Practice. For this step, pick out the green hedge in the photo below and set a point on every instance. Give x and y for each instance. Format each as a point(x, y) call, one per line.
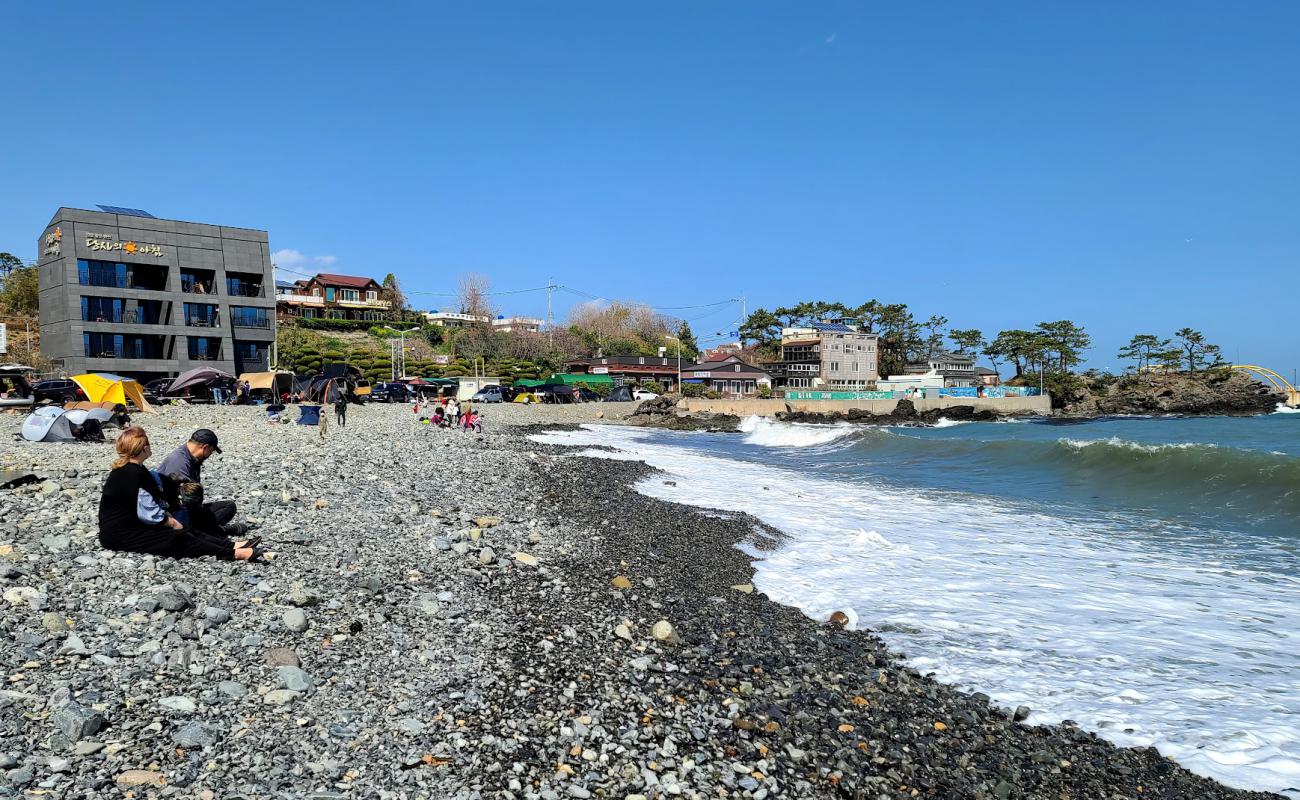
point(316, 324)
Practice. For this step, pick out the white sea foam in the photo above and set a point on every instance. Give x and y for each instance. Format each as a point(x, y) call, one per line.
point(944, 422)
point(1144, 643)
point(767, 433)
point(1125, 444)
point(1283, 408)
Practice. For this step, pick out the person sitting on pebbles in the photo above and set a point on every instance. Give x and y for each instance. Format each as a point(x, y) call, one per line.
point(185, 464)
point(133, 515)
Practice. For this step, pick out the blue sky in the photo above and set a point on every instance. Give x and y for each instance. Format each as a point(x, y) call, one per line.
point(1134, 167)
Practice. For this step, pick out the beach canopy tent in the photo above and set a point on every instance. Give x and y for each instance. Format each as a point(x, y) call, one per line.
point(199, 376)
point(86, 405)
point(276, 383)
point(78, 416)
point(308, 415)
point(620, 394)
point(48, 424)
point(104, 387)
point(525, 383)
point(327, 390)
point(575, 378)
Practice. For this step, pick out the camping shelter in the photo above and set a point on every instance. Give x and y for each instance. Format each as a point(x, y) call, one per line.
point(276, 383)
point(104, 387)
point(79, 416)
point(199, 376)
point(48, 424)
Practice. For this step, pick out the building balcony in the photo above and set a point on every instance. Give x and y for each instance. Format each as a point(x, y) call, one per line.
point(374, 304)
point(300, 299)
point(250, 322)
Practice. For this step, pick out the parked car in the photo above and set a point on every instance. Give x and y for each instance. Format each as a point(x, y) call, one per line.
point(391, 393)
point(491, 394)
point(156, 389)
point(15, 391)
point(57, 390)
point(642, 394)
point(363, 389)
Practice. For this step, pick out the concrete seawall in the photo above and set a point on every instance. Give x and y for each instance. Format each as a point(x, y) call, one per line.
point(770, 408)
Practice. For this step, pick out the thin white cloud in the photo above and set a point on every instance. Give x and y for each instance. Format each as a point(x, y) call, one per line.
point(291, 264)
point(287, 258)
point(831, 39)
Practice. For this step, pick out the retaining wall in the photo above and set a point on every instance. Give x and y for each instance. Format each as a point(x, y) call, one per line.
point(770, 408)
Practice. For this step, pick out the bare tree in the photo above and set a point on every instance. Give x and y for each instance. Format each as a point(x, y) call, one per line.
point(474, 295)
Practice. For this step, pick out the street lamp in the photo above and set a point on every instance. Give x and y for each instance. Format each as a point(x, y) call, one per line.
point(402, 345)
point(679, 360)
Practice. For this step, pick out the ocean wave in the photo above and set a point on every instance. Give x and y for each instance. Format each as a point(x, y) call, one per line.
point(944, 422)
point(1283, 408)
point(766, 433)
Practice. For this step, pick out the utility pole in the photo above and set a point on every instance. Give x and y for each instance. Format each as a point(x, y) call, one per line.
point(679, 360)
point(550, 320)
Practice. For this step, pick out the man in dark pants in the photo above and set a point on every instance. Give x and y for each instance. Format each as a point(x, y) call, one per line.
point(186, 463)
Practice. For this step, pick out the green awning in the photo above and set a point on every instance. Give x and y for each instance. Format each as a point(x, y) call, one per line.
point(527, 383)
point(573, 378)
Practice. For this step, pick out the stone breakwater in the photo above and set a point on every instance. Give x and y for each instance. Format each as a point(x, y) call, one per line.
point(453, 615)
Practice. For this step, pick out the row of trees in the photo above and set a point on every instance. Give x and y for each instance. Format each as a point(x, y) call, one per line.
point(1187, 346)
point(1052, 346)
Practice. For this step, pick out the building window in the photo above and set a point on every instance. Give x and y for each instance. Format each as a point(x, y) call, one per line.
point(204, 348)
point(101, 273)
point(249, 317)
point(835, 366)
point(349, 295)
point(116, 345)
point(101, 309)
point(202, 315)
point(372, 295)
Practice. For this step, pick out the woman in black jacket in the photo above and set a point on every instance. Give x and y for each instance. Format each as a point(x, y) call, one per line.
point(133, 516)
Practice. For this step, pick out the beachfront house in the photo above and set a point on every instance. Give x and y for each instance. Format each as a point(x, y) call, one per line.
point(329, 296)
point(834, 354)
point(940, 371)
point(727, 375)
point(631, 369)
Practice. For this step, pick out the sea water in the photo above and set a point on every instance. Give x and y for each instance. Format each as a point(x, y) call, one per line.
point(1138, 576)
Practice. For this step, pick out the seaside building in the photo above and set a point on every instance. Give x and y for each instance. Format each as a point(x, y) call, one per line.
point(330, 296)
point(727, 375)
point(516, 324)
point(940, 371)
point(125, 292)
point(833, 354)
point(988, 377)
point(630, 369)
point(453, 319)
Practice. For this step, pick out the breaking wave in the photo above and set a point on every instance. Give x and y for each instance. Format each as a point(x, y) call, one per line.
point(766, 433)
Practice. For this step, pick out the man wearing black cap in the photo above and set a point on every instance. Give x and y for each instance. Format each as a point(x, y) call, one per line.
point(185, 464)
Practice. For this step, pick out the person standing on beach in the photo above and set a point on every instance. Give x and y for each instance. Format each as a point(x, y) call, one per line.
point(341, 411)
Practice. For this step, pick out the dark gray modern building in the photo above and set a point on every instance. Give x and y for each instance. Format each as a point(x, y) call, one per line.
point(125, 292)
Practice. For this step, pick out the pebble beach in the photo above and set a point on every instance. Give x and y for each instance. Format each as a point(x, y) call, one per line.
point(454, 615)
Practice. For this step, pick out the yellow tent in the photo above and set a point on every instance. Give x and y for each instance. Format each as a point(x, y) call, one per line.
point(107, 388)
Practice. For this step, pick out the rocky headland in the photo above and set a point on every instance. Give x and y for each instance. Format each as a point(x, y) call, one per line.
point(450, 615)
point(1213, 392)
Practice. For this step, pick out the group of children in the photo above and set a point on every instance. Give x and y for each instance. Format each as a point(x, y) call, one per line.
point(448, 413)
